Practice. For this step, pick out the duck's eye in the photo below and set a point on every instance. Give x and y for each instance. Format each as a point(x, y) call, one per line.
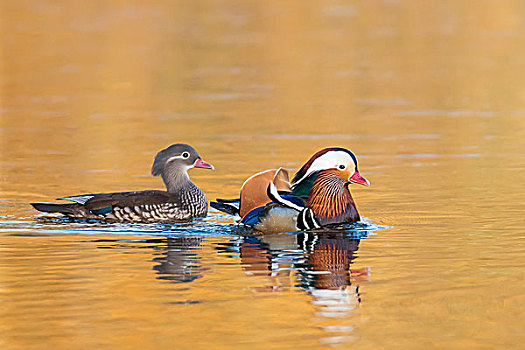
point(342, 167)
point(185, 155)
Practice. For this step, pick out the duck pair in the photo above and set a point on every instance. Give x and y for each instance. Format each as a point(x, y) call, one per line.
point(318, 195)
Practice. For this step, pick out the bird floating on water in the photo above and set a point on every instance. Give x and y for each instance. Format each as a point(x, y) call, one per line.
point(182, 201)
point(317, 197)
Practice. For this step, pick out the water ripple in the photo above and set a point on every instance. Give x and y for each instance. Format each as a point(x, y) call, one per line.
point(211, 226)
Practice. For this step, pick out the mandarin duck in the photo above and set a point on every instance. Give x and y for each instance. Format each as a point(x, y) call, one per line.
point(318, 195)
point(182, 201)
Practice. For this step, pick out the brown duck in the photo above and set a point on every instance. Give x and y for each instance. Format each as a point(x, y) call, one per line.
point(181, 201)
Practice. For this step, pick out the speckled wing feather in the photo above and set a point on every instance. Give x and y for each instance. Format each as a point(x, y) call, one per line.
point(131, 199)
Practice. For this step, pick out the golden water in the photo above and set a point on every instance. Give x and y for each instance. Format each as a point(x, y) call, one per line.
point(429, 95)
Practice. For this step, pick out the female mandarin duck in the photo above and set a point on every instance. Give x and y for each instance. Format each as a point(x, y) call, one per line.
point(317, 197)
point(182, 201)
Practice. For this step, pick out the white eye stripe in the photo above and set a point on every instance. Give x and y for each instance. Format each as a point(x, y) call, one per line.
point(329, 160)
point(176, 157)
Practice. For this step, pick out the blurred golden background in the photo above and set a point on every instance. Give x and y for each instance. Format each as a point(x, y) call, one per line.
point(429, 95)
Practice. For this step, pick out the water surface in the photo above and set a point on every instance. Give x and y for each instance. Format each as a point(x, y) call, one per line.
point(430, 96)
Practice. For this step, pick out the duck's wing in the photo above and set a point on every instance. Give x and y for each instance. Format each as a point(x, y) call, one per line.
point(130, 199)
point(87, 205)
point(285, 199)
point(254, 190)
point(278, 215)
point(81, 198)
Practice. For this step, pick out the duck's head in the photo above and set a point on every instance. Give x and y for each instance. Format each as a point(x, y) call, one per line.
point(177, 159)
point(343, 161)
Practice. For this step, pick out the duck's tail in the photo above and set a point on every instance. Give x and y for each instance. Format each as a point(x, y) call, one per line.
point(228, 206)
point(72, 209)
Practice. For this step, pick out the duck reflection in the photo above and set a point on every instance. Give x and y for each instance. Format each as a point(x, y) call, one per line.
point(330, 256)
point(320, 261)
point(178, 260)
point(273, 256)
point(328, 276)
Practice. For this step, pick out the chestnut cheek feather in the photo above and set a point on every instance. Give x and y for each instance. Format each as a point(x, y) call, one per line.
point(344, 174)
point(329, 196)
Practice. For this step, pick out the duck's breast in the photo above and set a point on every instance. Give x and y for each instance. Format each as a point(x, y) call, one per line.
point(277, 219)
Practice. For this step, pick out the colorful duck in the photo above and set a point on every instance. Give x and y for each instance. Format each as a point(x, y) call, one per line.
point(182, 201)
point(318, 195)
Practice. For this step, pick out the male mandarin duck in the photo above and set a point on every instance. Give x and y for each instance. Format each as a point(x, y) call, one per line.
point(317, 197)
point(182, 201)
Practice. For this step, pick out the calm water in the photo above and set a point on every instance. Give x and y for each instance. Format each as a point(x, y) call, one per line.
point(429, 95)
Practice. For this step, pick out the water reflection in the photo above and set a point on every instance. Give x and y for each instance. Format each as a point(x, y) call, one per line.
point(330, 255)
point(317, 262)
point(320, 263)
point(178, 260)
point(328, 276)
